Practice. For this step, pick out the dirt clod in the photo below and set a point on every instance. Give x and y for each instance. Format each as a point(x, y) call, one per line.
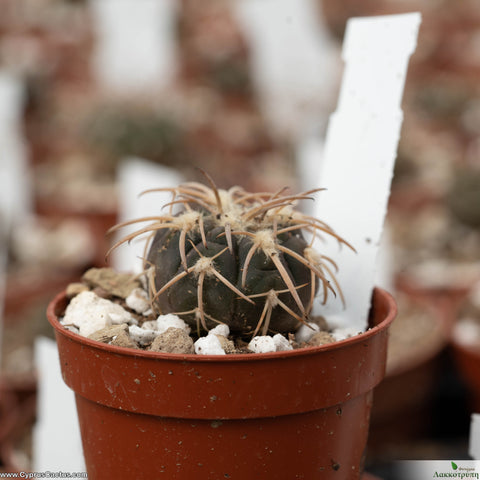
point(227, 345)
point(117, 284)
point(107, 334)
point(320, 338)
point(123, 340)
point(173, 340)
point(74, 289)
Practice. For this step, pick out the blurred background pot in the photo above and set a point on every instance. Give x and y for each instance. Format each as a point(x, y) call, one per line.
point(303, 413)
point(467, 358)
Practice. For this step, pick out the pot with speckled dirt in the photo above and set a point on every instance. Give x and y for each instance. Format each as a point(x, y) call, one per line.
point(295, 414)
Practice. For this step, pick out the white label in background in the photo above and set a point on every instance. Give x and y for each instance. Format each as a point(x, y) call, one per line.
point(360, 152)
point(135, 43)
point(15, 184)
point(295, 65)
point(474, 445)
point(134, 177)
point(57, 445)
point(3, 275)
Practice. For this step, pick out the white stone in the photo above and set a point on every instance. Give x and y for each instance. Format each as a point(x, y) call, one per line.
point(221, 329)
point(117, 318)
point(150, 325)
point(306, 332)
point(138, 300)
point(89, 313)
point(263, 344)
point(343, 333)
point(164, 322)
point(142, 336)
point(209, 345)
point(281, 343)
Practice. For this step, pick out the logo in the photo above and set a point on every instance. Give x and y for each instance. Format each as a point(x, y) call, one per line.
point(437, 469)
point(458, 471)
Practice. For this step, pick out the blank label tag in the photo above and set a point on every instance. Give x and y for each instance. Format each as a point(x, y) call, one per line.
point(135, 43)
point(360, 152)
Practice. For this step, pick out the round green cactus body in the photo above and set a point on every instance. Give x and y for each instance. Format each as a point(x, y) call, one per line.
point(221, 302)
point(236, 258)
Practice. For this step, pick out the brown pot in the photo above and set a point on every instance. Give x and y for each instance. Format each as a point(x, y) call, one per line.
point(467, 359)
point(445, 301)
point(403, 405)
point(98, 222)
point(298, 414)
point(403, 401)
point(369, 476)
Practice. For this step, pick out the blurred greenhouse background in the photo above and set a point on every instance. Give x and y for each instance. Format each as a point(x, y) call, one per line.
point(242, 89)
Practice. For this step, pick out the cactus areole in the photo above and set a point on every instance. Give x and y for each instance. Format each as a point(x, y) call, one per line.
point(237, 258)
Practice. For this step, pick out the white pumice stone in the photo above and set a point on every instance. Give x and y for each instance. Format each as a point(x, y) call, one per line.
point(221, 329)
point(72, 329)
point(343, 333)
point(209, 345)
point(89, 313)
point(306, 332)
point(150, 325)
point(164, 322)
point(138, 300)
point(281, 343)
point(142, 336)
point(264, 344)
point(118, 318)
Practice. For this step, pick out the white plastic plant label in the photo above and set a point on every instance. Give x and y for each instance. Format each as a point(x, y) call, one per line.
point(360, 152)
point(135, 46)
point(135, 176)
point(474, 444)
point(15, 187)
point(294, 61)
point(3, 275)
point(57, 444)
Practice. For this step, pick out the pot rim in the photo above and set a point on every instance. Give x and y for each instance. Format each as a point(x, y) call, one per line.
point(52, 317)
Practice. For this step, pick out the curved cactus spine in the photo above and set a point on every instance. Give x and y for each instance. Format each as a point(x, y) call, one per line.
point(236, 257)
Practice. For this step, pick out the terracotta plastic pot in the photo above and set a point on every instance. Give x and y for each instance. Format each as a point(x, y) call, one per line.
point(403, 402)
point(467, 359)
point(445, 301)
point(403, 405)
point(283, 415)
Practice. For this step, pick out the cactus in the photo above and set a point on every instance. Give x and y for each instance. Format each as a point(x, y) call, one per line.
point(237, 258)
point(116, 131)
point(463, 198)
